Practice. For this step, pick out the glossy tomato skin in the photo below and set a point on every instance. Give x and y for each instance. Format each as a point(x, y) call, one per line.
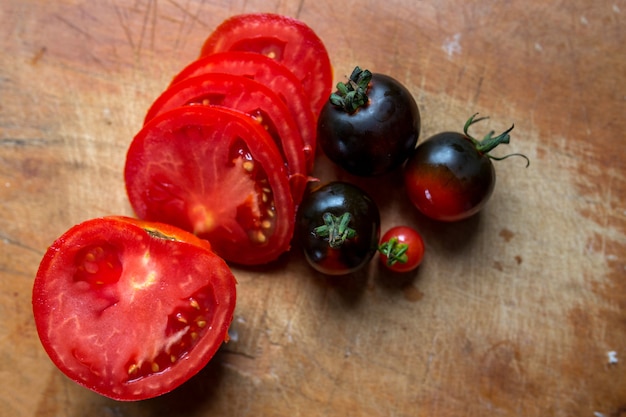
point(447, 179)
point(270, 73)
point(286, 40)
point(413, 251)
point(338, 198)
point(214, 172)
point(379, 136)
point(131, 309)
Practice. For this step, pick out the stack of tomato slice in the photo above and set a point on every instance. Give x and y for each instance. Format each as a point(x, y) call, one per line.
point(226, 150)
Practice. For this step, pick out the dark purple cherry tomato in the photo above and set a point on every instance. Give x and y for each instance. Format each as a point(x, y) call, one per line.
point(370, 125)
point(338, 226)
point(450, 176)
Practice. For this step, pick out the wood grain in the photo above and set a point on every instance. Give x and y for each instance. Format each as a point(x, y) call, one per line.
point(514, 312)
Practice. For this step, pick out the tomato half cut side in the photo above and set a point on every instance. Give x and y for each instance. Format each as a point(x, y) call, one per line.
point(248, 96)
point(129, 309)
point(284, 39)
point(215, 172)
point(269, 73)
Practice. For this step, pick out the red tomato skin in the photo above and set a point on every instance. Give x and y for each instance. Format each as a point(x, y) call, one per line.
point(414, 253)
point(248, 96)
point(73, 316)
point(287, 40)
point(270, 73)
point(447, 179)
point(179, 170)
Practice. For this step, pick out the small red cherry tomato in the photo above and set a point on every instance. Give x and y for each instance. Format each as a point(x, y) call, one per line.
point(402, 249)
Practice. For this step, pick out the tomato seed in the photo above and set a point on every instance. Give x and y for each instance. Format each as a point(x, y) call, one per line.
point(248, 166)
point(133, 369)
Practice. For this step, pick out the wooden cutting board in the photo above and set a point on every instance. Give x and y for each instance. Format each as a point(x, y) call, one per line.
point(519, 311)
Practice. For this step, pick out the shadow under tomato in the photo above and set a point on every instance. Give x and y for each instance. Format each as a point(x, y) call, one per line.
point(394, 281)
point(449, 238)
point(195, 394)
point(349, 287)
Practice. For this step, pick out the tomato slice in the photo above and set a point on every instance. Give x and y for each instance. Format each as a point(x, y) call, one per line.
point(215, 172)
point(251, 97)
point(286, 40)
point(129, 309)
point(269, 73)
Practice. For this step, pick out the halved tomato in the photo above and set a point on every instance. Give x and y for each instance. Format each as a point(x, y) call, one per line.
point(215, 172)
point(129, 309)
point(284, 39)
point(269, 73)
point(249, 96)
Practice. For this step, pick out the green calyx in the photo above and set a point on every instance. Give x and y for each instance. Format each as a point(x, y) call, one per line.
point(489, 142)
point(353, 94)
point(335, 229)
point(394, 251)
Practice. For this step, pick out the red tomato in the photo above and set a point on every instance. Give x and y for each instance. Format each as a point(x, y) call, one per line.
point(131, 310)
point(214, 172)
point(286, 40)
point(402, 249)
point(269, 73)
point(251, 97)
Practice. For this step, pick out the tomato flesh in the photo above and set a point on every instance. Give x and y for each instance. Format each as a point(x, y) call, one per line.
point(128, 313)
point(248, 96)
point(284, 39)
point(270, 73)
point(214, 172)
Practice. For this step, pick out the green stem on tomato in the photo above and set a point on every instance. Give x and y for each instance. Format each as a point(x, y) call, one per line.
point(394, 251)
point(353, 94)
point(489, 142)
point(335, 229)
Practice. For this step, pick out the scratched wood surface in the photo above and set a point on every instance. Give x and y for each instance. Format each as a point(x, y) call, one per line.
point(520, 311)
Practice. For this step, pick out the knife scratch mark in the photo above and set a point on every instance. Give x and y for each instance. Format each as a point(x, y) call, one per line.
point(299, 9)
point(194, 18)
point(75, 27)
point(125, 28)
point(10, 241)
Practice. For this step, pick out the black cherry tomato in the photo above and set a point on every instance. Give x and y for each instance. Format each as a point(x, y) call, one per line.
point(401, 249)
point(450, 176)
point(370, 125)
point(338, 226)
